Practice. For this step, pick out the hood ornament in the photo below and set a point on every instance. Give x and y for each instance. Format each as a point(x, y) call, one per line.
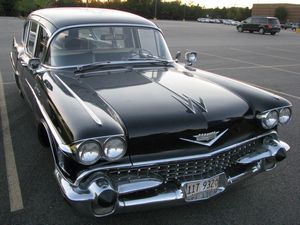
point(206, 139)
point(190, 103)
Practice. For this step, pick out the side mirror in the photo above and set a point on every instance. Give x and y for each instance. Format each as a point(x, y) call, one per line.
point(177, 56)
point(34, 64)
point(190, 57)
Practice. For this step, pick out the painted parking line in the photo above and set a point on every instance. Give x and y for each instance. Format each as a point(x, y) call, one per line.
point(263, 54)
point(282, 50)
point(5, 83)
point(15, 196)
point(251, 67)
point(250, 63)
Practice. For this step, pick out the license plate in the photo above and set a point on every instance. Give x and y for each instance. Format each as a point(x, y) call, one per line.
point(203, 189)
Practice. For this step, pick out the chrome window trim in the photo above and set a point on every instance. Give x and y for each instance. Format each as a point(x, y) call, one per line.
point(92, 25)
point(31, 54)
point(87, 109)
point(61, 144)
point(172, 160)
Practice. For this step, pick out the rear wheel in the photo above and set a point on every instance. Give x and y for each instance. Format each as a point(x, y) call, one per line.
point(240, 29)
point(261, 31)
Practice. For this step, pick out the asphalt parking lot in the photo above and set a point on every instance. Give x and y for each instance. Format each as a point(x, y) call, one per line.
point(29, 193)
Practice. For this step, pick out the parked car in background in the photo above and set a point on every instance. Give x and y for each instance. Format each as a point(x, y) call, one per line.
point(260, 24)
point(287, 25)
point(128, 126)
point(295, 26)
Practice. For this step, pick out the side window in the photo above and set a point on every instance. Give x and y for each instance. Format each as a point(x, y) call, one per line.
point(41, 43)
point(25, 32)
point(248, 20)
point(31, 37)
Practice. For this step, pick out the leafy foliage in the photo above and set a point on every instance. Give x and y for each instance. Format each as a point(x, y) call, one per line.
point(281, 13)
point(173, 10)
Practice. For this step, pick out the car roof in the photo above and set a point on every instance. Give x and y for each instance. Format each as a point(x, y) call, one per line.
point(65, 17)
point(267, 17)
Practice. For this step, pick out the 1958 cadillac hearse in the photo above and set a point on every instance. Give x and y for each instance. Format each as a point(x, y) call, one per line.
point(128, 126)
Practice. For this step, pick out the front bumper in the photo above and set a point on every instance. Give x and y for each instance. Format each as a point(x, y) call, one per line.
point(100, 194)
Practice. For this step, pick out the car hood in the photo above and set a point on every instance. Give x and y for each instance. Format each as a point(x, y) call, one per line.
point(159, 108)
point(156, 101)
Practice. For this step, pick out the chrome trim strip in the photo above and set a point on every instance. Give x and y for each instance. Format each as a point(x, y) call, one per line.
point(258, 116)
point(99, 137)
point(206, 143)
point(61, 144)
point(13, 65)
point(155, 162)
point(111, 63)
point(88, 110)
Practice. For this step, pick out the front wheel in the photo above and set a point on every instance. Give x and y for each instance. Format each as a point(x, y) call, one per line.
point(273, 33)
point(240, 29)
point(261, 31)
point(250, 31)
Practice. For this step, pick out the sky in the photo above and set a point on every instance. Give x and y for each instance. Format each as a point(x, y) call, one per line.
point(237, 3)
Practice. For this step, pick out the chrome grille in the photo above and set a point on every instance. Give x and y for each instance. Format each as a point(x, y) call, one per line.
point(192, 169)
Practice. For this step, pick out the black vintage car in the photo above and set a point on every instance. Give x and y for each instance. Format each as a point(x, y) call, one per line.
point(128, 126)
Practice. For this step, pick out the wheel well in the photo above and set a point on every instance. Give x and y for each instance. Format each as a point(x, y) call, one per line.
point(43, 135)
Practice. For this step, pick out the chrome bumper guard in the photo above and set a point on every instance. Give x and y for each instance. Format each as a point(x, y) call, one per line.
point(100, 196)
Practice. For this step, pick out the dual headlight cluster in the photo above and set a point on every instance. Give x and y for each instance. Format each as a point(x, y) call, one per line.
point(89, 152)
point(272, 118)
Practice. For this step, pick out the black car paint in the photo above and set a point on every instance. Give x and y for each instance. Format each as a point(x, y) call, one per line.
point(147, 112)
point(140, 104)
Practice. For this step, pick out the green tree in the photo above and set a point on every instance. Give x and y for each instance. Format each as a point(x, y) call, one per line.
point(281, 13)
point(8, 7)
point(1, 9)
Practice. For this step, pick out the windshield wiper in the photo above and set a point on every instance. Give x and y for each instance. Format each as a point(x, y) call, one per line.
point(92, 66)
point(152, 60)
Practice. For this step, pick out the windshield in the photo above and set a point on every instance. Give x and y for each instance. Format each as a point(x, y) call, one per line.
point(87, 45)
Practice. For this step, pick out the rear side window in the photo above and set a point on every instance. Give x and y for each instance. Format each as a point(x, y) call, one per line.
point(263, 21)
point(273, 22)
point(32, 37)
point(256, 20)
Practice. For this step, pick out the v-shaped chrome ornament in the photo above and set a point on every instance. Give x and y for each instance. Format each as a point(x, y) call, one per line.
point(206, 139)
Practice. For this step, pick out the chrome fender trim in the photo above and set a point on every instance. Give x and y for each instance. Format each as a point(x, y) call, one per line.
point(61, 144)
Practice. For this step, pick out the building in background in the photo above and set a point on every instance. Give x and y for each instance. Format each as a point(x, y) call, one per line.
point(269, 10)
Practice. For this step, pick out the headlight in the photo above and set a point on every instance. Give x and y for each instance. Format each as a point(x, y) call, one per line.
point(270, 119)
point(89, 152)
point(284, 115)
point(114, 148)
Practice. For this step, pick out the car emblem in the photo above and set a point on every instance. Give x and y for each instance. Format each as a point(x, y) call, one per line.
point(206, 139)
point(190, 103)
point(206, 136)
